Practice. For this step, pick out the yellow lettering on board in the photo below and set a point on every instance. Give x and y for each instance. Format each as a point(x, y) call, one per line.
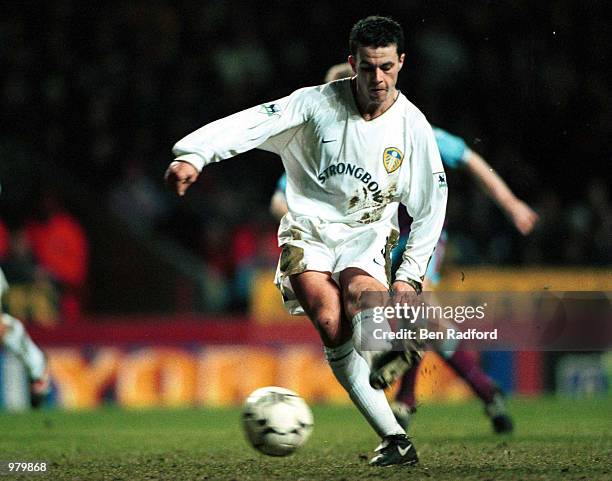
point(157, 377)
point(80, 384)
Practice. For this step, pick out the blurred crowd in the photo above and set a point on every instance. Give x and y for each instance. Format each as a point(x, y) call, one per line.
point(45, 259)
point(93, 99)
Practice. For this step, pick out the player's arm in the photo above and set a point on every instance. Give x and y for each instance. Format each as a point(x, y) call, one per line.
point(521, 215)
point(425, 201)
point(233, 135)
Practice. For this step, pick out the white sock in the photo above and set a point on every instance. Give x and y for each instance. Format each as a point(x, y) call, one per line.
point(17, 340)
point(363, 334)
point(353, 373)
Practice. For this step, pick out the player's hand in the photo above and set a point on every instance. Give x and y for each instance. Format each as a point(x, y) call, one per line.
point(523, 217)
point(179, 176)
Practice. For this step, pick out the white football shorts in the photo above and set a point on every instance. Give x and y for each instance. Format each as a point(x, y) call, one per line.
point(312, 244)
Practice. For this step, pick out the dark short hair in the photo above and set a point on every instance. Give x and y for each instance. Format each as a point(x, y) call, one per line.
point(376, 31)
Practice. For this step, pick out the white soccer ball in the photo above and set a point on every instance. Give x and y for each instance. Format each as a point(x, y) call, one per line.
point(276, 420)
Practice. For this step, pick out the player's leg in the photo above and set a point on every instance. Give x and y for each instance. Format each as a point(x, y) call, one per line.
point(16, 340)
point(310, 252)
point(467, 367)
point(396, 448)
point(464, 365)
point(320, 297)
point(404, 404)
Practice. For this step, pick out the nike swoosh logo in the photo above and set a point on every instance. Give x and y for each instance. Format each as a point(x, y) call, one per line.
point(376, 262)
point(328, 141)
point(403, 451)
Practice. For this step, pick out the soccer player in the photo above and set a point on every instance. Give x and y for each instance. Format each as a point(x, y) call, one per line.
point(455, 154)
point(353, 150)
point(16, 340)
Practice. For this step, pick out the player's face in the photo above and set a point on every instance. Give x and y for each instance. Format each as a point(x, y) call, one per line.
point(377, 69)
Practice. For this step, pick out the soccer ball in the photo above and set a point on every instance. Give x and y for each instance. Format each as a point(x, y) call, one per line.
point(276, 420)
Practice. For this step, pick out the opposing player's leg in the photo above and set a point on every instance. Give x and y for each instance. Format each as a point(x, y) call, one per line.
point(16, 340)
point(467, 367)
point(404, 404)
point(396, 447)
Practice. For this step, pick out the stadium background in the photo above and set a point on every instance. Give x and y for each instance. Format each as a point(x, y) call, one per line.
point(147, 300)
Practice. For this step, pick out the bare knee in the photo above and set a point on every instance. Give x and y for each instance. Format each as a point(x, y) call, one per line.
point(359, 296)
point(353, 292)
point(319, 296)
point(332, 330)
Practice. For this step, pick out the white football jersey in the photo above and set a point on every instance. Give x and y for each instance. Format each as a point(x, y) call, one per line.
point(340, 167)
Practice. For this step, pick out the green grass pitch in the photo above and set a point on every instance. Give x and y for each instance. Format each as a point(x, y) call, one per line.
point(554, 439)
